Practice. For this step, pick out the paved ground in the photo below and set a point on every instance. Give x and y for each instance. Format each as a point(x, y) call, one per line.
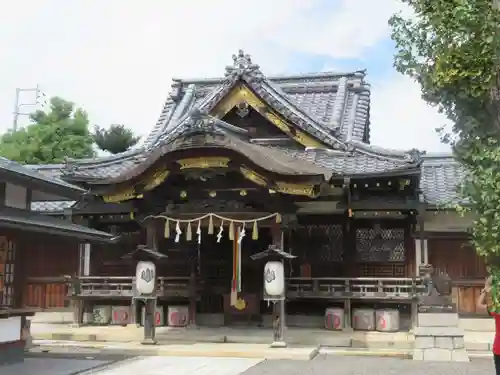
point(336, 365)
point(51, 366)
point(182, 366)
point(323, 364)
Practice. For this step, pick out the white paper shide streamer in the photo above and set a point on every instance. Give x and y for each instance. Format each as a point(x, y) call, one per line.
point(221, 230)
point(198, 232)
point(178, 232)
point(242, 234)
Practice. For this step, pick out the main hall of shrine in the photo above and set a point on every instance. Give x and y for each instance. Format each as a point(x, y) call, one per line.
point(237, 163)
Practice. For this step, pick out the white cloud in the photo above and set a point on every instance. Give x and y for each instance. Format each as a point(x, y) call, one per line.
point(400, 119)
point(345, 32)
point(117, 57)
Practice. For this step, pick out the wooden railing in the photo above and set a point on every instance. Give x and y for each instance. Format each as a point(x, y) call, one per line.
point(45, 292)
point(122, 287)
point(297, 287)
point(357, 288)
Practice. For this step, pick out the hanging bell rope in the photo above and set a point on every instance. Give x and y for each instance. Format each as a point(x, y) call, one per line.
point(198, 232)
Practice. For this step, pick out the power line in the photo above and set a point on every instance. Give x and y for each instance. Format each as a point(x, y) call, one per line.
point(40, 98)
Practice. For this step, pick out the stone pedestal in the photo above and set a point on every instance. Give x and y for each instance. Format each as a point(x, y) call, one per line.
point(438, 338)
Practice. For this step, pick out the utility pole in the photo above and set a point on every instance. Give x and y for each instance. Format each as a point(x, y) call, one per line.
point(40, 99)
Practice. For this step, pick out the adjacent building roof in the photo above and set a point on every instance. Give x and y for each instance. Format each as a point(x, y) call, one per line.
point(54, 207)
point(333, 107)
point(36, 222)
point(22, 175)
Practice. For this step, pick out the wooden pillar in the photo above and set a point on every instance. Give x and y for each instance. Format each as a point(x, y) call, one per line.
point(349, 261)
point(82, 310)
point(150, 303)
point(20, 275)
point(279, 309)
point(193, 295)
point(421, 257)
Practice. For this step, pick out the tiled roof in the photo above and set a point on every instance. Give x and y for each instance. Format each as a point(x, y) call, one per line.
point(440, 174)
point(335, 104)
point(51, 206)
point(47, 182)
point(334, 107)
point(205, 134)
point(440, 178)
point(36, 222)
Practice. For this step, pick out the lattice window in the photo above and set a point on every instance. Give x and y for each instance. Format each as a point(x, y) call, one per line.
point(322, 243)
point(380, 244)
point(383, 270)
point(7, 261)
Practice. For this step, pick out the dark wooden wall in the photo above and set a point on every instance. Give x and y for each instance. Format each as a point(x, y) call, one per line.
point(41, 261)
point(467, 270)
point(45, 260)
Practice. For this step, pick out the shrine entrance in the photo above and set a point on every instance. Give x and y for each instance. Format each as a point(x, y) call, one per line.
point(218, 250)
point(217, 268)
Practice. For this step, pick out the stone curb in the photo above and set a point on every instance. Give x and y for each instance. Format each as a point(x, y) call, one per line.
point(403, 354)
point(370, 345)
point(487, 354)
point(260, 353)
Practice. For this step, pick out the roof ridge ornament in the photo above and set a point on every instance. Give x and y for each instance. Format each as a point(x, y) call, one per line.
point(243, 66)
point(416, 155)
point(69, 166)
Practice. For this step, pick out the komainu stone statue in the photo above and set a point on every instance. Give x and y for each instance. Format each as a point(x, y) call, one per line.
point(437, 293)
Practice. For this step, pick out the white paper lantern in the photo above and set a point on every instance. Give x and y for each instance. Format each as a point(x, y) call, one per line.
point(145, 275)
point(274, 279)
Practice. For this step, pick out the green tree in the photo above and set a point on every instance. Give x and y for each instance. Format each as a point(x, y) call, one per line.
point(451, 49)
point(61, 132)
point(117, 138)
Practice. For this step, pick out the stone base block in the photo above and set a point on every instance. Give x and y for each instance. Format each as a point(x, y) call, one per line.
point(278, 344)
point(441, 355)
point(437, 320)
point(460, 355)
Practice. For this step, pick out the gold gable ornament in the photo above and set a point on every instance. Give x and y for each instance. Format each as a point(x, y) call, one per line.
point(156, 179)
point(242, 93)
point(202, 163)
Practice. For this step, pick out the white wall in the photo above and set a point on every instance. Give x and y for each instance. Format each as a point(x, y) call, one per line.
point(16, 196)
point(10, 329)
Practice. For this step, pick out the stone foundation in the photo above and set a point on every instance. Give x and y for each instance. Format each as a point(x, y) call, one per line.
point(439, 338)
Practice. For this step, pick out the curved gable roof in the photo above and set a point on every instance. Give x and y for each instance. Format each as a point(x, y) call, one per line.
point(335, 106)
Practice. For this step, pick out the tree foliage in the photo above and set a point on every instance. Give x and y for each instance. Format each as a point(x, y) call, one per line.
point(61, 132)
point(117, 138)
point(451, 49)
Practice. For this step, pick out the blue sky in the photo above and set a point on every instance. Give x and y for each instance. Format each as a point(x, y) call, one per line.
point(116, 58)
